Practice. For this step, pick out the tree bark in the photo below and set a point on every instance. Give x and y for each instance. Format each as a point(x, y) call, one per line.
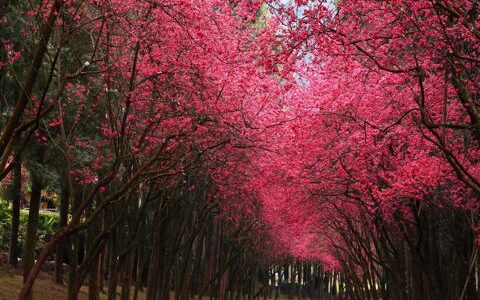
point(16, 193)
point(32, 227)
point(61, 246)
point(93, 286)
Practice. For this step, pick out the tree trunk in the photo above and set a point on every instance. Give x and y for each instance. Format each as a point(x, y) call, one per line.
point(93, 286)
point(62, 246)
point(32, 227)
point(74, 249)
point(16, 193)
point(155, 261)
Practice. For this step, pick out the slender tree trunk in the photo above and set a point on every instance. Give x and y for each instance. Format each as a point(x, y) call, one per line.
point(62, 246)
point(32, 227)
point(104, 257)
point(112, 270)
point(74, 250)
point(16, 193)
point(197, 271)
point(151, 293)
point(126, 276)
point(154, 267)
point(93, 286)
point(140, 265)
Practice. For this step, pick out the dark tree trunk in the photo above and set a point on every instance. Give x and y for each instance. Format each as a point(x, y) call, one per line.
point(16, 193)
point(155, 261)
point(112, 263)
point(73, 248)
point(62, 245)
point(93, 271)
point(32, 227)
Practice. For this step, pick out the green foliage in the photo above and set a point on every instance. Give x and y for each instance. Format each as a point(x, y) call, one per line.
point(48, 223)
point(5, 223)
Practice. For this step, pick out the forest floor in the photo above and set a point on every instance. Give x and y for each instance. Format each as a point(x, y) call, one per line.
point(11, 282)
point(44, 289)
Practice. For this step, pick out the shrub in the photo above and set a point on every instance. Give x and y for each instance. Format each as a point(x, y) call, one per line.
point(48, 223)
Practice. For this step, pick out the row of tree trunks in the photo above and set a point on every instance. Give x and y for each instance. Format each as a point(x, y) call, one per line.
point(432, 258)
point(161, 245)
point(172, 242)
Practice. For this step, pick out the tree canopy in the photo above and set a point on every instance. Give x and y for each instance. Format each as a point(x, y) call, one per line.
point(216, 140)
